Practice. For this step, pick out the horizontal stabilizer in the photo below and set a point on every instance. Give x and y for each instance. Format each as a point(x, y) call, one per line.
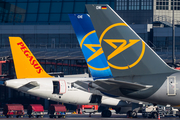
point(82, 85)
point(121, 84)
point(31, 84)
point(85, 84)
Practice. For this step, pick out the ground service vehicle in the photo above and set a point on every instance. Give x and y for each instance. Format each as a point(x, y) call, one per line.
point(170, 111)
point(35, 110)
point(57, 111)
point(150, 111)
point(13, 109)
point(153, 111)
point(87, 109)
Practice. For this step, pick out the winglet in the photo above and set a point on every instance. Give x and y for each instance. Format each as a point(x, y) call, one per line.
point(26, 65)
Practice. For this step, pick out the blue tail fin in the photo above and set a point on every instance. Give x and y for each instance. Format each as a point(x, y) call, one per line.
point(90, 45)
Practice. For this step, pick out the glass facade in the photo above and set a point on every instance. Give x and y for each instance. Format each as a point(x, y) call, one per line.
point(121, 5)
point(43, 11)
point(135, 11)
point(146, 4)
point(176, 4)
point(162, 5)
point(134, 4)
point(167, 5)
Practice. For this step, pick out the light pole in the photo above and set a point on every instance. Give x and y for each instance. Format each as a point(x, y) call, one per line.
point(173, 38)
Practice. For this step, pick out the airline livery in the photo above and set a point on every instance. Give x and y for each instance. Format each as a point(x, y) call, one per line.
point(90, 46)
point(138, 72)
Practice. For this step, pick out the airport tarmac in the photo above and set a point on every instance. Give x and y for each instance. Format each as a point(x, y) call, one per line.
point(86, 117)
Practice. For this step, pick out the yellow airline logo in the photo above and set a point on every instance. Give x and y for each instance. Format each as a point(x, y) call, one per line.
point(32, 60)
point(123, 46)
point(96, 52)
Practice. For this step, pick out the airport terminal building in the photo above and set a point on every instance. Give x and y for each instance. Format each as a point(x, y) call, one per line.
point(45, 27)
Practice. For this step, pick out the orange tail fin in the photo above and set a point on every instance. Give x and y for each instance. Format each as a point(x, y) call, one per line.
point(26, 65)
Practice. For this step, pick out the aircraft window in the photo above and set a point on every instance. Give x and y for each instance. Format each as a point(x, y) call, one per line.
point(56, 87)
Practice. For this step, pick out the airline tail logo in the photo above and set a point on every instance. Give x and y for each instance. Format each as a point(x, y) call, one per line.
point(26, 65)
point(121, 45)
point(96, 52)
point(93, 52)
point(121, 48)
point(32, 60)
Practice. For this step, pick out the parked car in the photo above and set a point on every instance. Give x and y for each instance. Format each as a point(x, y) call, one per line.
point(57, 111)
point(35, 110)
point(13, 109)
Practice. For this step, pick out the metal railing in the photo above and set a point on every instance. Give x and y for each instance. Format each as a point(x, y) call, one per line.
point(165, 49)
point(165, 19)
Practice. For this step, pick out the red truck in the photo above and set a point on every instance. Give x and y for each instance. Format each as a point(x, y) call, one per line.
point(87, 109)
point(13, 109)
point(35, 110)
point(57, 111)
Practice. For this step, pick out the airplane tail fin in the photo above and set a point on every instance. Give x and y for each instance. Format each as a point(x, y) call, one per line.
point(26, 65)
point(90, 45)
point(126, 53)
